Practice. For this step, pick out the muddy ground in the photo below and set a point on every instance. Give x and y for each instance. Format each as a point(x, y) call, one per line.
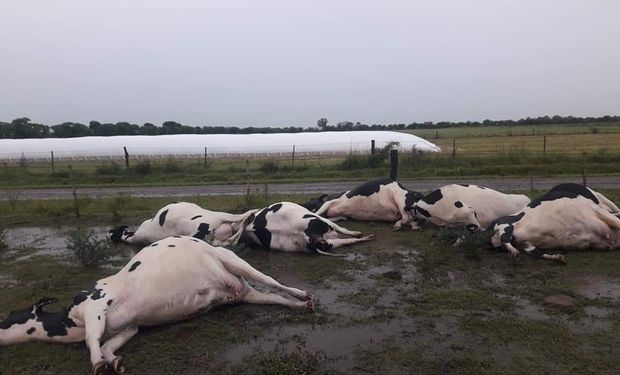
point(405, 303)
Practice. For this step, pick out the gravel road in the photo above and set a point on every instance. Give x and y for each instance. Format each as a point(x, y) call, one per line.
point(601, 182)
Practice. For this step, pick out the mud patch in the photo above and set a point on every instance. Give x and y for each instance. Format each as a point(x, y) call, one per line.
point(44, 240)
point(596, 286)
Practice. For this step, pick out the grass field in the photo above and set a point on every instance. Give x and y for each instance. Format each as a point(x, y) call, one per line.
point(405, 303)
point(483, 151)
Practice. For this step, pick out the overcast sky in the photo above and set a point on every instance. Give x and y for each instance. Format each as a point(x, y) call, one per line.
point(280, 63)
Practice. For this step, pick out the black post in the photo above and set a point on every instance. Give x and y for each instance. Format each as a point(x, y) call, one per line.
point(372, 147)
point(453, 148)
point(544, 145)
point(52, 152)
point(585, 180)
point(247, 175)
point(205, 157)
point(75, 201)
point(436, 134)
point(394, 165)
point(293, 157)
point(126, 157)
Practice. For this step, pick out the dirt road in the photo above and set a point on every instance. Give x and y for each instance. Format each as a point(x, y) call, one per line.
point(602, 182)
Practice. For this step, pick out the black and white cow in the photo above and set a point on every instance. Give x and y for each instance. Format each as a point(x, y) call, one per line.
point(187, 219)
point(158, 285)
point(569, 217)
point(378, 200)
point(287, 226)
point(467, 205)
point(596, 197)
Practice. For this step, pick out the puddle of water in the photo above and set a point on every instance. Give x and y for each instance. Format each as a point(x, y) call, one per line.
point(597, 286)
point(45, 240)
point(526, 309)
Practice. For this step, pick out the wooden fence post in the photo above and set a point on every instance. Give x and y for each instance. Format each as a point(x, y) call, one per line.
point(584, 176)
point(453, 148)
point(52, 152)
point(126, 157)
point(372, 147)
point(293, 157)
point(394, 165)
point(205, 157)
point(544, 145)
point(75, 201)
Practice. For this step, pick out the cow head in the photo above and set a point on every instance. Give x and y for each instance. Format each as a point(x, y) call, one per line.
point(315, 203)
point(116, 235)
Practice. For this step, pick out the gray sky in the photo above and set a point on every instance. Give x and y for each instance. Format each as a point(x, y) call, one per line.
point(253, 63)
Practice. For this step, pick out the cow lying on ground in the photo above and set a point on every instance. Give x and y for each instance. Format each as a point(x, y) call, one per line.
point(586, 192)
point(378, 200)
point(158, 285)
point(187, 219)
point(472, 206)
point(560, 219)
point(287, 226)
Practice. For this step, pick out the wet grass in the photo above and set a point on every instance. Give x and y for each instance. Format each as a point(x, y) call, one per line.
point(406, 303)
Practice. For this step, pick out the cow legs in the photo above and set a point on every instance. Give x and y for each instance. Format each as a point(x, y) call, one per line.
point(240, 267)
point(113, 344)
point(339, 242)
point(94, 321)
point(534, 252)
point(254, 296)
point(344, 231)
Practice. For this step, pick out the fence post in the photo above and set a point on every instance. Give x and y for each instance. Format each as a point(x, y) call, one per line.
point(75, 201)
point(436, 134)
point(205, 157)
point(293, 157)
point(544, 145)
point(372, 147)
point(247, 175)
point(126, 157)
point(52, 152)
point(394, 165)
point(453, 148)
point(584, 176)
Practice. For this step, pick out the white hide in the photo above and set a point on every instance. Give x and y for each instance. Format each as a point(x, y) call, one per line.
point(565, 223)
point(184, 218)
point(168, 281)
point(287, 227)
point(481, 205)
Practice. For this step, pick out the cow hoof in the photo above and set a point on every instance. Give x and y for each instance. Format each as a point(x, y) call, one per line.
point(356, 234)
point(370, 237)
point(562, 259)
point(100, 368)
point(117, 365)
point(310, 305)
point(308, 297)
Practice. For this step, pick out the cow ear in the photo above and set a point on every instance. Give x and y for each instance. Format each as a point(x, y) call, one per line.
point(44, 302)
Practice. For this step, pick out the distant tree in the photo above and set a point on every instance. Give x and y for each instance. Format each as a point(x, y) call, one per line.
point(322, 123)
point(23, 128)
point(71, 129)
point(149, 129)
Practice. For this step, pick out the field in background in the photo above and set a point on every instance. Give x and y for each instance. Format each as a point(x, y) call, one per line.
point(479, 152)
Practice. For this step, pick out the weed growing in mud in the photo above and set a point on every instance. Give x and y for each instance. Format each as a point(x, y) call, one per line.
point(471, 242)
point(3, 244)
point(87, 247)
point(300, 361)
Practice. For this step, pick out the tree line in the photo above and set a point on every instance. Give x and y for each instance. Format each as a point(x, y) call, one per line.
point(21, 128)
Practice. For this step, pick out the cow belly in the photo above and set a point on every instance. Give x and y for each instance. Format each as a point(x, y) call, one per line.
point(365, 210)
